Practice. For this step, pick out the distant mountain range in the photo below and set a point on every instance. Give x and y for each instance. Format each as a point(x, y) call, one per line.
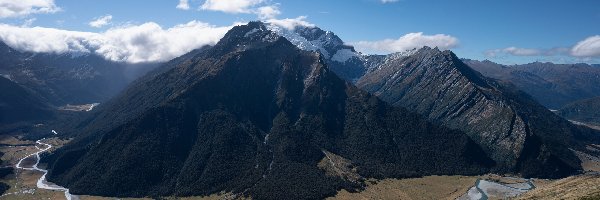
point(262, 113)
point(553, 85)
point(68, 78)
point(45, 81)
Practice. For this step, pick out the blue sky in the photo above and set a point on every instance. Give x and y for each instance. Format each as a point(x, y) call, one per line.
point(540, 30)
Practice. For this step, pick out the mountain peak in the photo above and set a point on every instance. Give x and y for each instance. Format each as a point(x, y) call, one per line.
point(312, 38)
point(242, 37)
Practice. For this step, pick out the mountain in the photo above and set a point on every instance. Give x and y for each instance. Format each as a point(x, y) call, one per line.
point(18, 104)
point(68, 78)
point(553, 85)
point(339, 57)
point(586, 111)
point(256, 116)
point(519, 134)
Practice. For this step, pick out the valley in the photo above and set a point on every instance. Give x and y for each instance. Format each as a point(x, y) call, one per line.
point(251, 99)
point(27, 182)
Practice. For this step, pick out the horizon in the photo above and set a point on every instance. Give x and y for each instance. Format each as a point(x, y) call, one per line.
point(513, 32)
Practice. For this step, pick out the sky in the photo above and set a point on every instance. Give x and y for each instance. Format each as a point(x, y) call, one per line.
point(506, 31)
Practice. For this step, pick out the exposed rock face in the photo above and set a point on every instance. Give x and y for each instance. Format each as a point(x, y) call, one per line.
point(254, 115)
point(505, 122)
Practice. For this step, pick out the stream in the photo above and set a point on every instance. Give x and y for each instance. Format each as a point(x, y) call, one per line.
point(41, 182)
point(483, 189)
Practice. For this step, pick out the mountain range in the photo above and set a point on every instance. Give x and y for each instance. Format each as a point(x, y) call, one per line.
point(552, 85)
point(35, 85)
point(262, 114)
point(256, 116)
point(68, 78)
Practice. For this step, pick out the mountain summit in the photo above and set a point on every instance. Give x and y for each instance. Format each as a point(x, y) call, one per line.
point(339, 57)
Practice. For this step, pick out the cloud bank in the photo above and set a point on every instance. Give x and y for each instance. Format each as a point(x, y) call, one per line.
point(587, 48)
point(147, 42)
point(21, 8)
point(407, 42)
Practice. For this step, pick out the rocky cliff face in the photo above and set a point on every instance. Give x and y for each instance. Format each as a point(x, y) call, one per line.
point(505, 122)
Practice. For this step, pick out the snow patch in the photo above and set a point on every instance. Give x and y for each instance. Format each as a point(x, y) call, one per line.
point(299, 41)
point(249, 33)
point(402, 54)
point(344, 55)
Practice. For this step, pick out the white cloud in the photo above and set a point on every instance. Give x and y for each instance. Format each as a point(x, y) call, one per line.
point(101, 21)
point(264, 9)
point(515, 51)
point(522, 51)
point(291, 23)
point(231, 6)
point(590, 47)
point(28, 22)
point(388, 1)
point(407, 42)
point(147, 42)
point(268, 12)
point(183, 5)
point(582, 51)
point(21, 8)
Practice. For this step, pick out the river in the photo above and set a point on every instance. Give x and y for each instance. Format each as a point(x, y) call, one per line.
point(41, 182)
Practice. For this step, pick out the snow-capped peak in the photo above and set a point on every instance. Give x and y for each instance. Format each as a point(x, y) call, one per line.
point(311, 38)
point(296, 39)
